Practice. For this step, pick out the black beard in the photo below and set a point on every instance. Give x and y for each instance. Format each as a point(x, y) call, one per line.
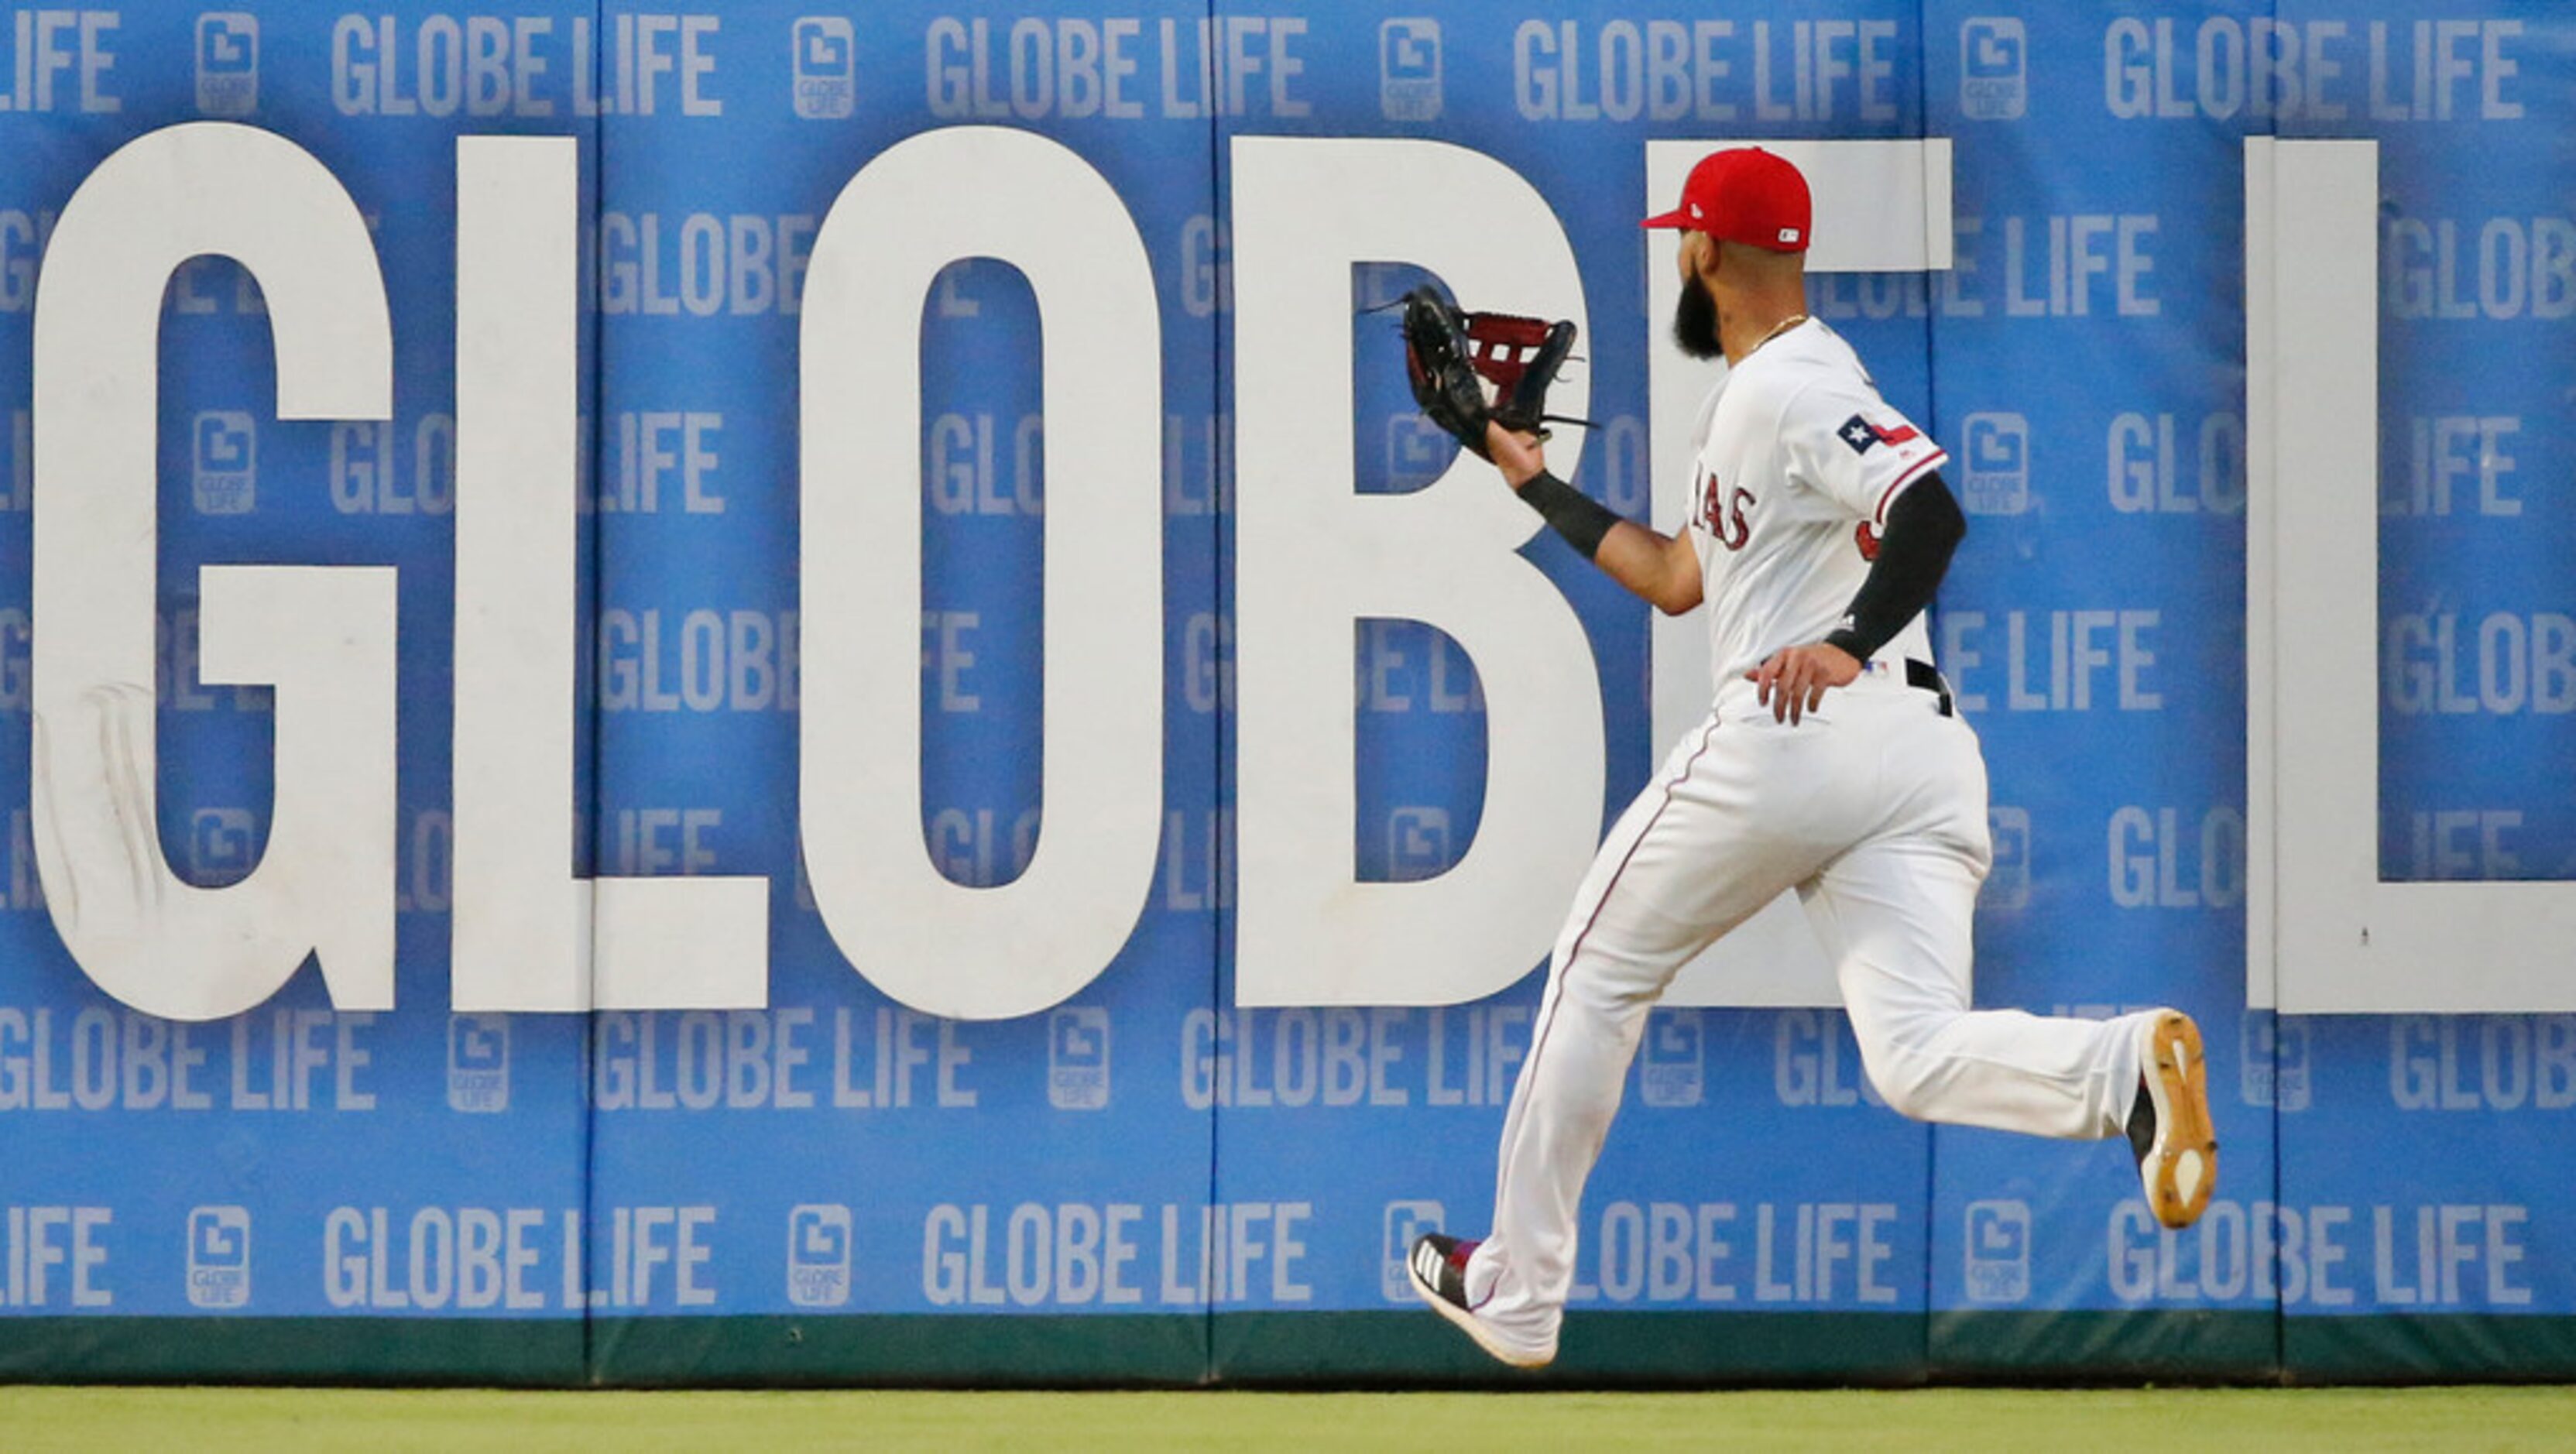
point(1695, 321)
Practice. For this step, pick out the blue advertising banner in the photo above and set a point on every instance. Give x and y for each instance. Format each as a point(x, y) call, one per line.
point(2093, 624)
point(293, 1162)
point(2463, 1256)
point(840, 1153)
point(879, 1162)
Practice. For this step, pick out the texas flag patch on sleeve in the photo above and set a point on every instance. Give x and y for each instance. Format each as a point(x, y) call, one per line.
point(1864, 436)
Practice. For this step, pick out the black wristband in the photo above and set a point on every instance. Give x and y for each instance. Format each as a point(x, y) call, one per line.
point(1582, 520)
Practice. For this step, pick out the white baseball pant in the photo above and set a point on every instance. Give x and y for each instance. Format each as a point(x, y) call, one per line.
point(1874, 809)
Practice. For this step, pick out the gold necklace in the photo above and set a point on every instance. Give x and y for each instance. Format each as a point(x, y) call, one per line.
point(1783, 326)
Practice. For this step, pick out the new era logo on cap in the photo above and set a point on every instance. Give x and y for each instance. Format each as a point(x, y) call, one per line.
point(1748, 195)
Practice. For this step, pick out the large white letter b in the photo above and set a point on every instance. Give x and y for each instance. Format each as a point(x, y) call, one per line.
point(1311, 557)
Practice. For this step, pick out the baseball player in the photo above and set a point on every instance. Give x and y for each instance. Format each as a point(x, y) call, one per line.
point(1832, 762)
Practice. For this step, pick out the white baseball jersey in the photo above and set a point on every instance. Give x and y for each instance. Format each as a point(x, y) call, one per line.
point(1798, 460)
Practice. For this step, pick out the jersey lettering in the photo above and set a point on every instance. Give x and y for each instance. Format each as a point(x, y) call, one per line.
point(1866, 537)
point(1734, 530)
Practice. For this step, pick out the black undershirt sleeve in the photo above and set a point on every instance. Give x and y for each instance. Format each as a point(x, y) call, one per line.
point(1923, 527)
point(1573, 514)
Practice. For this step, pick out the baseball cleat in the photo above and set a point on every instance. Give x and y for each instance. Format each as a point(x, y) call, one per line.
point(2169, 1125)
point(1437, 1266)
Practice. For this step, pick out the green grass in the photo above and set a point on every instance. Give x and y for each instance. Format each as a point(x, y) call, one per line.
point(211, 1420)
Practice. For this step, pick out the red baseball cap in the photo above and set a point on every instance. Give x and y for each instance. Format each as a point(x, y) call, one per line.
point(1745, 195)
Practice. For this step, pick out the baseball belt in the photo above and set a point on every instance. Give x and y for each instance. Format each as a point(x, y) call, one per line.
point(1926, 676)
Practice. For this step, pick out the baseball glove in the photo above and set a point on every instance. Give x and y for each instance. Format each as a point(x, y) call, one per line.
point(1467, 368)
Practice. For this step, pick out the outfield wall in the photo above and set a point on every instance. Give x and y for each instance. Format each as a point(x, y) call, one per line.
point(1099, 980)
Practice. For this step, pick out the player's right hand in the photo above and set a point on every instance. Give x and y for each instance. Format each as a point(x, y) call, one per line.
point(1792, 682)
point(1518, 453)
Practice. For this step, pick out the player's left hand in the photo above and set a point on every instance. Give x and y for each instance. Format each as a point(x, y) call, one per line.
point(1793, 681)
